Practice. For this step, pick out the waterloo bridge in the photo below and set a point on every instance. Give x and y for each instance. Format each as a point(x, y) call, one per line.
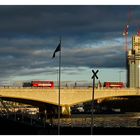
point(48, 98)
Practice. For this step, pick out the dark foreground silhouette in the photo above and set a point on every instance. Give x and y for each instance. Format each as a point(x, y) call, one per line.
point(8, 127)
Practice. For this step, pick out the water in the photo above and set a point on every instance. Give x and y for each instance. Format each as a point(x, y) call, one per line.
point(128, 120)
point(103, 125)
point(117, 120)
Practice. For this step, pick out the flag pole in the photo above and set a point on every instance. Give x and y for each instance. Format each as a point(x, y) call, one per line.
point(59, 89)
point(59, 84)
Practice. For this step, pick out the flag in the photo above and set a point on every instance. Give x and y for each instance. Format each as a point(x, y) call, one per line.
point(57, 49)
point(125, 32)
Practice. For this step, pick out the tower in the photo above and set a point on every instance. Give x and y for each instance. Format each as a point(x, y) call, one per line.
point(134, 63)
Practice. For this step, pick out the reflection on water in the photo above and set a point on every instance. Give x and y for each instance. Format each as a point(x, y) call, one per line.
point(131, 119)
point(117, 120)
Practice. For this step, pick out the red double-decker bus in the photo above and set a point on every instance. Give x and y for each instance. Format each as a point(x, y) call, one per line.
point(46, 84)
point(114, 85)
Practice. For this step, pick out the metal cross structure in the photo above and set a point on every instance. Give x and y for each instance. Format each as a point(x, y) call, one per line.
point(92, 106)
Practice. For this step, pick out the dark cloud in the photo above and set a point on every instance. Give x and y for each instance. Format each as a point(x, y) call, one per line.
point(46, 20)
point(91, 37)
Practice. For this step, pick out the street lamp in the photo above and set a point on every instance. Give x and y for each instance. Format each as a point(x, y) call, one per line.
point(120, 76)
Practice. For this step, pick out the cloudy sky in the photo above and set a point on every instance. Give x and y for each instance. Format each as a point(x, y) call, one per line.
point(91, 39)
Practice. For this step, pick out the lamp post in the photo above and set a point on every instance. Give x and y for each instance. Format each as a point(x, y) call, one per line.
point(120, 76)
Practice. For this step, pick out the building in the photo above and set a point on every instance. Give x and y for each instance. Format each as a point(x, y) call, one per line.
point(134, 63)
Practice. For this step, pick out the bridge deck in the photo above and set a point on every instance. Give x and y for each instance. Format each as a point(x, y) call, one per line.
point(68, 96)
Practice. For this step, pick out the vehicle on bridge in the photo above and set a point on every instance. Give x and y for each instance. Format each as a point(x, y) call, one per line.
point(113, 85)
point(45, 84)
point(48, 84)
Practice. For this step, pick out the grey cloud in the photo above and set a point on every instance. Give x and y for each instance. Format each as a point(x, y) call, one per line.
point(34, 20)
point(90, 38)
point(95, 57)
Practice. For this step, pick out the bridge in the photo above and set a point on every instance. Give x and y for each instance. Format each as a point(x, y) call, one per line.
point(69, 96)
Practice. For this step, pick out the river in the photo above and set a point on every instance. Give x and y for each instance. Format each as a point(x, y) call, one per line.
point(128, 120)
point(78, 124)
